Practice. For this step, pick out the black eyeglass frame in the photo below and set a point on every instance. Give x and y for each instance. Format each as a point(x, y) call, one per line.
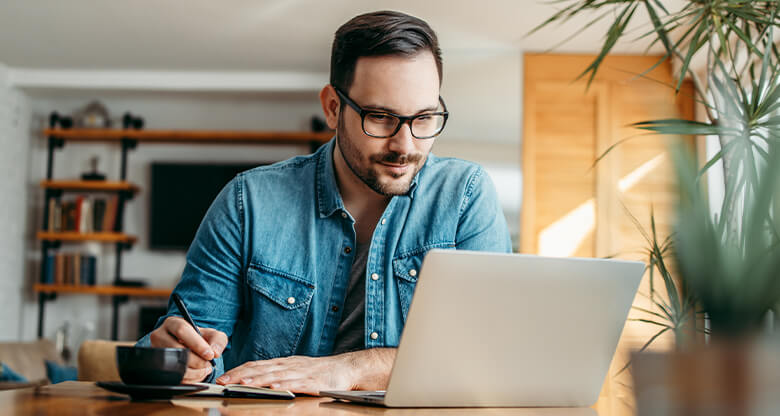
point(402, 119)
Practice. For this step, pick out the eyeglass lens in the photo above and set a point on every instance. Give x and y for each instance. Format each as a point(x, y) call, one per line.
point(385, 125)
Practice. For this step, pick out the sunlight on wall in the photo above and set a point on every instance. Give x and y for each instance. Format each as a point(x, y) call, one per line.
point(563, 237)
point(628, 181)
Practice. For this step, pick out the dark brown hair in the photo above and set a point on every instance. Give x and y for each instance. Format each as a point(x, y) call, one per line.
point(379, 34)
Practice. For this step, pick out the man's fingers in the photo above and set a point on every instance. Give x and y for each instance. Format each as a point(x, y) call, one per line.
point(196, 362)
point(217, 339)
point(234, 375)
point(196, 374)
point(266, 379)
point(166, 340)
point(267, 372)
point(160, 338)
point(298, 374)
point(275, 378)
point(185, 333)
point(247, 370)
point(304, 386)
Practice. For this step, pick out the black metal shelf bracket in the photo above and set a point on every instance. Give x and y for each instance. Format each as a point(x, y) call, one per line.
point(55, 143)
point(116, 301)
point(127, 145)
point(42, 299)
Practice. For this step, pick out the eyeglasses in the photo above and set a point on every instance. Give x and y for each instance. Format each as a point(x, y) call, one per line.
point(382, 124)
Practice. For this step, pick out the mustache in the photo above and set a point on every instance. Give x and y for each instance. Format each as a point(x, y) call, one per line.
point(397, 158)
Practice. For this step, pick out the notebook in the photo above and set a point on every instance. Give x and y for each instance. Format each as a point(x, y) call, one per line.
point(240, 390)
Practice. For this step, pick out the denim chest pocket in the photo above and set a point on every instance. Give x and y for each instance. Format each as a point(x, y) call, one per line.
point(407, 270)
point(278, 306)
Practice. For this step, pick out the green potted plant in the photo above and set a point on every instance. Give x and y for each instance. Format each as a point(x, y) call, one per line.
point(728, 255)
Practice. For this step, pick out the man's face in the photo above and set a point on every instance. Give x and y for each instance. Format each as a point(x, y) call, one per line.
point(400, 85)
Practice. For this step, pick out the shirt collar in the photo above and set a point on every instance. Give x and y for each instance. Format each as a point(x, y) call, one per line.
point(328, 195)
point(413, 185)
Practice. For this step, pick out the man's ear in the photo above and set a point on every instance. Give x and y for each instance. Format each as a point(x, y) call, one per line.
point(330, 106)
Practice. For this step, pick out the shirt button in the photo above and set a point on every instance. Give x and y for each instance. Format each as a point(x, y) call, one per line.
point(374, 335)
point(384, 220)
point(291, 300)
point(335, 308)
point(374, 276)
point(412, 272)
point(343, 215)
point(347, 250)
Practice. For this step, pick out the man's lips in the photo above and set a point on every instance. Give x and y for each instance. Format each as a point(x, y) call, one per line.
point(395, 168)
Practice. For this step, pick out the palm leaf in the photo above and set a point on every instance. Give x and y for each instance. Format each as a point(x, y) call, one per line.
point(696, 43)
point(673, 126)
point(644, 347)
point(613, 34)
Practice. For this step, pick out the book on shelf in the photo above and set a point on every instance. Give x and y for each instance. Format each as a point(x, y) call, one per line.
point(98, 212)
point(75, 269)
point(82, 214)
point(109, 219)
point(47, 277)
point(85, 221)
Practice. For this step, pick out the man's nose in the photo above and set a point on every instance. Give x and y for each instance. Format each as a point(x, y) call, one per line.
point(403, 141)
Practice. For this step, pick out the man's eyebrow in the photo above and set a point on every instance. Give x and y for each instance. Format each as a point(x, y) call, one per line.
point(390, 110)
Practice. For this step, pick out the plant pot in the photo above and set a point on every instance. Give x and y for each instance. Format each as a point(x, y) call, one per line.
point(735, 378)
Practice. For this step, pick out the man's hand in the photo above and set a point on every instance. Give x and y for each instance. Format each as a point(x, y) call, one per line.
point(359, 370)
point(175, 332)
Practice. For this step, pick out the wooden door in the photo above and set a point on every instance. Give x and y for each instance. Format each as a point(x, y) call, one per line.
point(573, 206)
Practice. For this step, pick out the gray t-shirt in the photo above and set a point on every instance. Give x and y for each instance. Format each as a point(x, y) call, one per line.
point(351, 333)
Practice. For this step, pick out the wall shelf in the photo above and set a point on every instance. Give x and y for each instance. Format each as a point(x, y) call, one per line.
point(74, 236)
point(189, 136)
point(128, 138)
point(90, 186)
point(103, 290)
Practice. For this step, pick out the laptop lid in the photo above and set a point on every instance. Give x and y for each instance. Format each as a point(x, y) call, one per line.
point(487, 329)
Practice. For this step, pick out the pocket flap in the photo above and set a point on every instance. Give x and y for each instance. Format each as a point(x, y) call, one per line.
point(408, 267)
point(284, 289)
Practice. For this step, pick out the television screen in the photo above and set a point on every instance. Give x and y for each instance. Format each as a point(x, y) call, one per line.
point(180, 195)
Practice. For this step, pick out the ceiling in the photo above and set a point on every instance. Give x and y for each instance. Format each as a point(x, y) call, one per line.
point(260, 35)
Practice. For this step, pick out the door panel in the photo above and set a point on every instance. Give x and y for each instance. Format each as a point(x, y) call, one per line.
point(563, 224)
point(573, 208)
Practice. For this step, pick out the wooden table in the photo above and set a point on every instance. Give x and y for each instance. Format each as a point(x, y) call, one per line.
point(84, 398)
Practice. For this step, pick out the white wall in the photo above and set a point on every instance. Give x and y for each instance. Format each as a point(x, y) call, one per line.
point(14, 126)
point(483, 92)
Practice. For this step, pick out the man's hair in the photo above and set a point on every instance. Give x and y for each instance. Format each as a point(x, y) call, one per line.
point(379, 34)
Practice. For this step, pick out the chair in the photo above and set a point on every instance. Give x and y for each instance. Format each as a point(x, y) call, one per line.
point(97, 360)
point(27, 359)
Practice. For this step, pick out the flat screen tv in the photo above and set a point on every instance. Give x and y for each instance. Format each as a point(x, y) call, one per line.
point(180, 195)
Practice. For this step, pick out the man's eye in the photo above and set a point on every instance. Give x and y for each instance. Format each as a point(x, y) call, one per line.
point(379, 118)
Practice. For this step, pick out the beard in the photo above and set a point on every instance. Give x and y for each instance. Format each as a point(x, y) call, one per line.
point(365, 167)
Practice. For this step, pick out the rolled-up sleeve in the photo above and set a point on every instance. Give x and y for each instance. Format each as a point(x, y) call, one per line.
point(210, 284)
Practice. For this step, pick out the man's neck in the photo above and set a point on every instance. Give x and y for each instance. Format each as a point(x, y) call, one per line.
point(363, 203)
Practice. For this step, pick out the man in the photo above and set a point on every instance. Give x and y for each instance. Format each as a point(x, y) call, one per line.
point(301, 273)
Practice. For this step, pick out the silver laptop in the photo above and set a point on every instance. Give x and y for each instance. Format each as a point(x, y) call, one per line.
point(508, 330)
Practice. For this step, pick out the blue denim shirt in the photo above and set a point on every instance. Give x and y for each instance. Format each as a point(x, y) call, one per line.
point(269, 265)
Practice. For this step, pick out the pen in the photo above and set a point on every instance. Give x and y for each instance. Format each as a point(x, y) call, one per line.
point(183, 310)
